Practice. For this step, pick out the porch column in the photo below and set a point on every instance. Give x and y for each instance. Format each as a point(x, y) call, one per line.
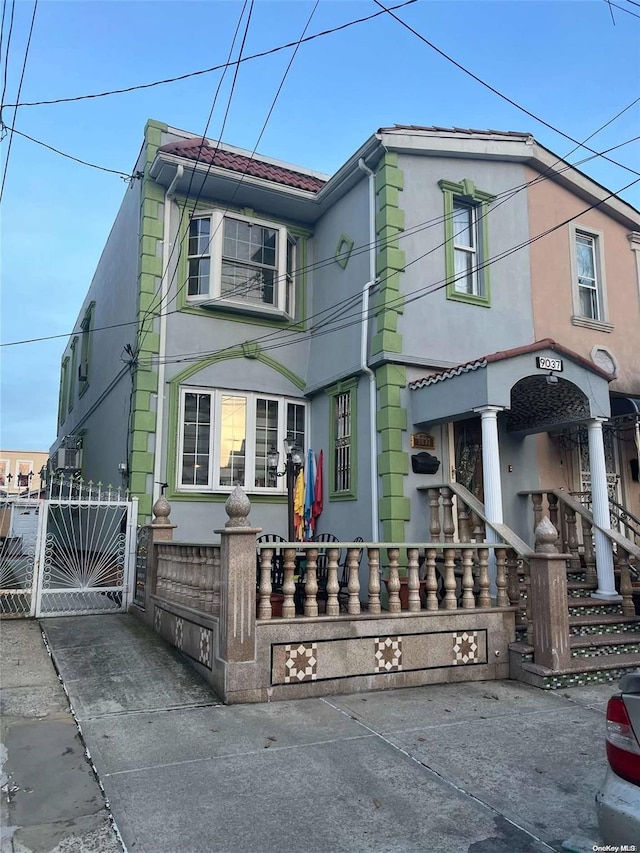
point(491, 479)
point(600, 507)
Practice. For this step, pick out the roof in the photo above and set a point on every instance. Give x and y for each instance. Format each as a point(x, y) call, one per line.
point(202, 151)
point(479, 363)
point(516, 134)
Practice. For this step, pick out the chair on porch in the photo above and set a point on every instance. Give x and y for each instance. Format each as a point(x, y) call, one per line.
point(343, 580)
point(277, 561)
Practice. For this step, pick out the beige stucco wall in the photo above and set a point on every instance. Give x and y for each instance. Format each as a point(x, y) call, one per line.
point(11, 462)
point(551, 280)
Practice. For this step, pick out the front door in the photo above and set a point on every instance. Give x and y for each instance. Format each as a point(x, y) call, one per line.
point(467, 447)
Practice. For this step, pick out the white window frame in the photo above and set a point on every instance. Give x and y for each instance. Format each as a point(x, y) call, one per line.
point(600, 322)
point(284, 283)
point(5, 470)
point(213, 475)
point(461, 284)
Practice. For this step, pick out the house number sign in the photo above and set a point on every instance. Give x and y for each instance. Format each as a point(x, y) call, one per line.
point(423, 440)
point(544, 363)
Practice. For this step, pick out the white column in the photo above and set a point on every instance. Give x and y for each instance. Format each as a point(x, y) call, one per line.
point(600, 509)
point(491, 479)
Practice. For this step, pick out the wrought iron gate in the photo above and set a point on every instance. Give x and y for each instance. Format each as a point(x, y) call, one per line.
point(75, 555)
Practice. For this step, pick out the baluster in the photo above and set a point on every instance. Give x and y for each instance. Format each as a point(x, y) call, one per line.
point(591, 575)
point(205, 579)
point(434, 514)
point(264, 590)
point(529, 608)
point(536, 500)
point(626, 589)
point(513, 580)
point(413, 580)
point(288, 583)
point(478, 528)
point(464, 516)
point(552, 501)
point(333, 605)
point(353, 585)
point(431, 583)
point(374, 580)
point(216, 576)
point(160, 570)
point(393, 581)
point(484, 599)
point(468, 600)
point(179, 579)
point(311, 584)
point(192, 577)
point(448, 527)
point(572, 539)
point(450, 600)
point(502, 599)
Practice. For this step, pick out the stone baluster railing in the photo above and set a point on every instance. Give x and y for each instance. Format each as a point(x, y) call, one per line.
point(311, 583)
point(626, 588)
point(353, 583)
point(374, 581)
point(264, 587)
point(502, 599)
point(552, 502)
point(413, 580)
point(591, 575)
point(393, 581)
point(333, 587)
point(571, 546)
point(431, 584)
point(450, 597)
point(448, 526)
point(468, 598)
point(288, 583)
point(536, 500)
point(189, 575)
point(434, 514)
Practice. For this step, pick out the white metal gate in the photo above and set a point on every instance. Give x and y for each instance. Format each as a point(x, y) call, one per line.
point(74, 556)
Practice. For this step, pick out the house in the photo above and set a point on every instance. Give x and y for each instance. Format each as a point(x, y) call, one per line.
point(450, 306)
point(20, 470)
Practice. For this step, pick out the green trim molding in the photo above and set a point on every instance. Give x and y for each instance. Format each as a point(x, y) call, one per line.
point(298, 324)
point(394, 509)
point(466, 191)
point(62, 392)
point(349, 386)
point(86, 348)
point(390, 259)
point(250, 350)
point(145, 379)
point(73, 376)
point(343, 250)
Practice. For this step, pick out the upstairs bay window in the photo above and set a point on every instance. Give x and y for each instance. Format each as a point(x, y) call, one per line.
point(225, 438)
point(236, 261)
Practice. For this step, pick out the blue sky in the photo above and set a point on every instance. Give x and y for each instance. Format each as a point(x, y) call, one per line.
point(564, 61)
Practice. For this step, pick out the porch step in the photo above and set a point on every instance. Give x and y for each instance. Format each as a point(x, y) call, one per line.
point(599, 645)
point(584, 605)
point(578, 588)
point(590, 624)
point(596, 670)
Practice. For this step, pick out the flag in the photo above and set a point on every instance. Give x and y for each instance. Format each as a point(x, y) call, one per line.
point(298, 506)
point(317, 492)
point(310, 481)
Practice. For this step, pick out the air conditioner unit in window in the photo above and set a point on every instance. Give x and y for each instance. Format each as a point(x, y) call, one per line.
point(83, 371)
point(69, 454)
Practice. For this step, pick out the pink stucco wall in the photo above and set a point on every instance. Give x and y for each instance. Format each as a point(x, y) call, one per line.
point(551, 280)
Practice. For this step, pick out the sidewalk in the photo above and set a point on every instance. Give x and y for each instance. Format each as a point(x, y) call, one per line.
point(493, 767)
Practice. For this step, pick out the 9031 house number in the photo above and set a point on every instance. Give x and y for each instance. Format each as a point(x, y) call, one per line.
point(544, 363)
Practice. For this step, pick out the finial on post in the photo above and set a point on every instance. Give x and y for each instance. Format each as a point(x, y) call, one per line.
point(161, 512)
point(546, 537)
point(237, 508)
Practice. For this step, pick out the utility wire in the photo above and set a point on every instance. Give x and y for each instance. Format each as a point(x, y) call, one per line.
point(6, 57)
point(214, 67)
point(496, 91)
point(324, 262)
point(624, 9)
point(15, 112)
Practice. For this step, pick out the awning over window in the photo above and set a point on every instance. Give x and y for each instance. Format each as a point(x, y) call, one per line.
point(625, 406)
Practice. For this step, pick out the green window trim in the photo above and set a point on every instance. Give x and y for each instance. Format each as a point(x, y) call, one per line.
point(241, 313)
point(73, 375)
point(467, 193)
point(350, 387)
point(62, 399)
point(84, 368)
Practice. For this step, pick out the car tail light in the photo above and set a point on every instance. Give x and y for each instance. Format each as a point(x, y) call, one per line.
point(623, 749)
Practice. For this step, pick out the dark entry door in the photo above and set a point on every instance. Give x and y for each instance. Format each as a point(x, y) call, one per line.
point(467, 438)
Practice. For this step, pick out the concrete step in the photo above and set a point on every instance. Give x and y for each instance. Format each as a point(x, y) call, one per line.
point(595, 670)
point(586, 605)
point(579, 589)
point(601, 645)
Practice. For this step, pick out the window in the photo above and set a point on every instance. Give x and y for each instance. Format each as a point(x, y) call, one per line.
point(62, 394)
point(4, 472)
point(239, 261)
point(588, 279)
point(343, 456)
point(24, 473)
point(225, 438)
point(85, 349)
point(466, 242)
point(72, 374)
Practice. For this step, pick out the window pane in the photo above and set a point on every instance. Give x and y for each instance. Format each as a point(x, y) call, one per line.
point(463, 230)
point(296, 424)
point(266, 437)
point(196, 437)
point(199, 236)
point(199, 269)
point(233, 432)
point(342, 451)
point(588, 303)
point(585, 258)
point(464, 272)
point(251, 284)
point(249, 266)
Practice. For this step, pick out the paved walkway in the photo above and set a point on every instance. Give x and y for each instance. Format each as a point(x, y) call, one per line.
point(493, 767)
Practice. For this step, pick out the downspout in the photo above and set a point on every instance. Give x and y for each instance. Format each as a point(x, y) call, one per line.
point(164, 288)
point(364, 351)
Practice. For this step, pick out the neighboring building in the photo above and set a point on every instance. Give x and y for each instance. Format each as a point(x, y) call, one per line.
point(399, 306)
point(20, 470)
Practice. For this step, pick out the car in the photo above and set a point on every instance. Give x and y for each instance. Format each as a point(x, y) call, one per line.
point(618, 800)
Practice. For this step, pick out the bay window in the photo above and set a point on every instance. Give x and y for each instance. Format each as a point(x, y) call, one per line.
point(237, 261)
point(225, 438)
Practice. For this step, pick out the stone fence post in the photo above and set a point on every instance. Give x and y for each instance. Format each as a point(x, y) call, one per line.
point(161, 531)
point(549, 605)
point(237, 585)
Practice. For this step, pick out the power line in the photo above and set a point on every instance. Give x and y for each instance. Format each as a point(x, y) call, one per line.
point(212, 68)
point(624, 9)
point(6, 57)
point(320, 264)
point(15, 112)
point(124, 175)
point(494, 90)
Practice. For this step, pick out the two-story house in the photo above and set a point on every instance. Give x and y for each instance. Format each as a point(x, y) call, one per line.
point(462, 294)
